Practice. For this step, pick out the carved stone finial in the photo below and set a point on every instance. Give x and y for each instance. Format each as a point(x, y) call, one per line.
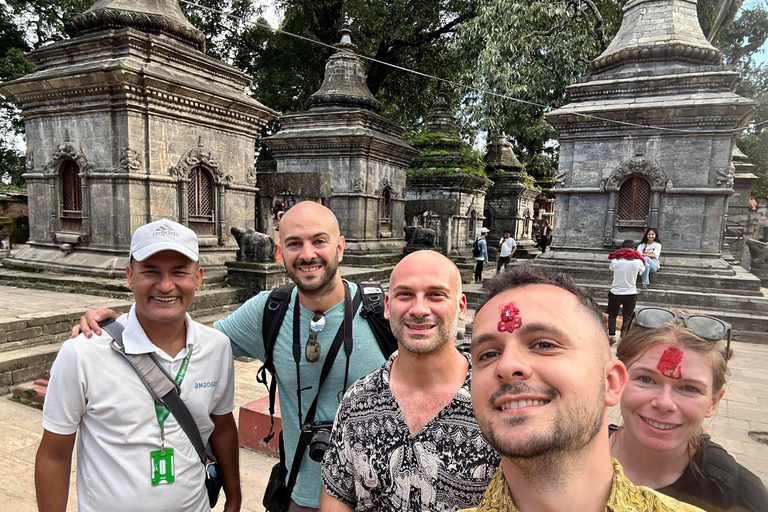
point(345, 43)
point(501, 156)
point(67, 138)
point(440, 118)
point(199, 141)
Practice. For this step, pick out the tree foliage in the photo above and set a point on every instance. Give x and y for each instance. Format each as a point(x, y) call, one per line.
point(416, 35)
point(530, 50)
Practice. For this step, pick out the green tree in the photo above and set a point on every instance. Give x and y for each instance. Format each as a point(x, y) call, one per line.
point(410, 34)
point(531, 50)
point(741, 36)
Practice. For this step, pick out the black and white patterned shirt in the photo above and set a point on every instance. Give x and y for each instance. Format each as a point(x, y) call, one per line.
point(373, 463)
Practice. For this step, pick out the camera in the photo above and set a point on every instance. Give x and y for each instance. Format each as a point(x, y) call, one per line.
point(317, 436)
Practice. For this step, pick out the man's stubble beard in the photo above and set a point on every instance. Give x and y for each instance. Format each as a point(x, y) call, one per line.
point(324, 286)
point(548, 451)
point(445, 333)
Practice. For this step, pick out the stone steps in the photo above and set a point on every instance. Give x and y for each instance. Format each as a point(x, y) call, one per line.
point(105, 287)
point(32, 393)
point(671, 278)
point(748, 315)
point(29, 343)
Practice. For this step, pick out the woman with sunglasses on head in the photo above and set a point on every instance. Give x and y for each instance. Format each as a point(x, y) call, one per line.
point(677, 368)
point(650, 248)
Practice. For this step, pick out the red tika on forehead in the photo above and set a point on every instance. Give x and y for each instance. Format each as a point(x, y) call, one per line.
point(669, 363)
point(510, 319)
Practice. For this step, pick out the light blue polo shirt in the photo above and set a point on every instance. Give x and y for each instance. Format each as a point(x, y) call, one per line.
point(244, 328)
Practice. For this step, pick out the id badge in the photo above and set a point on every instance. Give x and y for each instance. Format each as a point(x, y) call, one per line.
point(161, 462)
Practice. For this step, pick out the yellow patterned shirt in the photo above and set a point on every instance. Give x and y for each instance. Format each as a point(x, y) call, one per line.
point(625, 497)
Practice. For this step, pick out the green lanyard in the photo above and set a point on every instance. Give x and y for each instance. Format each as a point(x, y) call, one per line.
point(160, 409)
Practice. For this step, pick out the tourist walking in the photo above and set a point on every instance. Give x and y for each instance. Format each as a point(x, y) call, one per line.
point(626, 263)
point(480, 252)
point(405, 437)
point(542, 380)
point(650, 248)
point(132, 450)
point(507, 248)
point(677, 373)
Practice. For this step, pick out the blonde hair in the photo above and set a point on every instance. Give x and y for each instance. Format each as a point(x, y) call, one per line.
point(639, 340)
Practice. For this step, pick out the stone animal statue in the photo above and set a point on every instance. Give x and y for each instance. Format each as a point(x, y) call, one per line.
point(420, 237)
point(759, 252)
point(253, 246)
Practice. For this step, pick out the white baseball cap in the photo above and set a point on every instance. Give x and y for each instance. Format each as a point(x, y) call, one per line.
point(163, 235)
point(484, 230)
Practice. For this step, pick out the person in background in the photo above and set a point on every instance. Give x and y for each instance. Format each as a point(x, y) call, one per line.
point(482, 245)
point(546, 235)
point(626, 263)
point(507, 248)
point(677, 372)
point(650, 248)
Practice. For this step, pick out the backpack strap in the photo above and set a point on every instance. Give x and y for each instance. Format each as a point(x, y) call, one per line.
point(373, 312)
point(274, 313)
point(344, 333)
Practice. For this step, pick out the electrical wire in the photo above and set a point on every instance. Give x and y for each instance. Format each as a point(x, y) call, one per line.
point(460, 85)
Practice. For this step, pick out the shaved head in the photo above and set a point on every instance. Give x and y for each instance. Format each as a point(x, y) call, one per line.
point(425, 304)
point(418, 260)
point(301, 212)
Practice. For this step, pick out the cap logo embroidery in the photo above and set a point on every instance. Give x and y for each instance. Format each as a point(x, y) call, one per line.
point(165, 231)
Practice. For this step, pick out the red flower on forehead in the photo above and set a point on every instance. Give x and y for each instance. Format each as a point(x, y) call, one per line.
point(509, 318)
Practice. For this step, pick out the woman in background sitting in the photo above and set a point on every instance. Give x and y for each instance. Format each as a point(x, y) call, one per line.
point(677, 368)
point(650, 248)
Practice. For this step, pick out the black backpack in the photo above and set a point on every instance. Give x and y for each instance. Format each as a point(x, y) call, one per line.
point(476, 248)
point(274, 313)
point(280, 486)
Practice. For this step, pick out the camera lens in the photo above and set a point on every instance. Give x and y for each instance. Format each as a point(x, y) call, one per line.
point(319, 444)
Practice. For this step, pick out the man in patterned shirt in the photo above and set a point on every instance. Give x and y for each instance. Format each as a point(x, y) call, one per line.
point(405, 437)
point(543, 379)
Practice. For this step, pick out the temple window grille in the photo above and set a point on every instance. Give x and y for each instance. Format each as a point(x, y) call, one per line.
point(385, 209)
point(634, 199)
point(71, 190)
point(201, 202)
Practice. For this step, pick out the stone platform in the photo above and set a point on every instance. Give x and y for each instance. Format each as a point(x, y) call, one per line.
point(743, 303)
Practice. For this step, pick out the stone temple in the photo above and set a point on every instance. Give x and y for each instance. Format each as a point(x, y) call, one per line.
point(617, 178)
point(446, 188)
point(342, 153)
point(509, 204)
point(129, 122)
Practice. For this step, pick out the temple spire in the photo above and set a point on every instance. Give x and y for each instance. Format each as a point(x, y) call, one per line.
point(153, 16)
point(344, 84)
point(654, 31)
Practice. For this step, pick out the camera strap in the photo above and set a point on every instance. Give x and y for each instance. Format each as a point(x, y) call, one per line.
point(344, 335)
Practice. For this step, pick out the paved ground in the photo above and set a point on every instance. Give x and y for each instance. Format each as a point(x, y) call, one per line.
point(27, 302)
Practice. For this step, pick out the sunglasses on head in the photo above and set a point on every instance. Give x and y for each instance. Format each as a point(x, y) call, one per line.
point(703, 326)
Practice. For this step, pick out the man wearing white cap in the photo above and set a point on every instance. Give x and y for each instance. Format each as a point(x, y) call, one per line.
point(133, 454)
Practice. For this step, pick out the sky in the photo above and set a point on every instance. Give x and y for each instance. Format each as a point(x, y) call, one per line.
point(760, 57)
